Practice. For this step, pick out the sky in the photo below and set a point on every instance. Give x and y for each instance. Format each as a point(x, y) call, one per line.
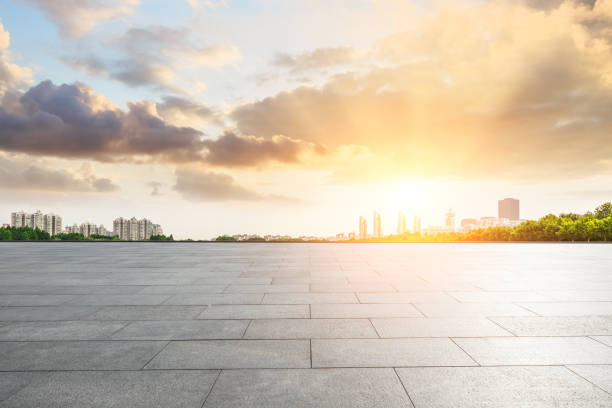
point(215, 117)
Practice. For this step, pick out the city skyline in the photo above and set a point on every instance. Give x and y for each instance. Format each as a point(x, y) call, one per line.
point(201, 109)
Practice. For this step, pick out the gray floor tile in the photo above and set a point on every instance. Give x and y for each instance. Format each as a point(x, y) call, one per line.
point(352, 287)
point(570, 308)
point(536, 350)
point(256, 312)
point(118, 300)
point(45, 313)
point(604, 339)
point(10, 383)
point(182, 330)
point(316, 388)
point(438, 327)
point(504, 387)
point(146, 313)
point(308, 298)
point(471, 309)
point(310, 329)
point(66, 330)
point(387, 353)
point(556, 326)
point(369, 310)
point(600, 375)
point(297, 288)
point(214, 354)
point(215, 299)
point(174, 289)
point(129, 389)
point(77, 355)
point(34, 300)
point(406, 297)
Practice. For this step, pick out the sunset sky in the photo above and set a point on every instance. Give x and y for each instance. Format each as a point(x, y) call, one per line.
point(286, 116)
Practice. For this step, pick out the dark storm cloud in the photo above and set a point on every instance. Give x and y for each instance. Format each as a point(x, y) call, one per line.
point(71, 121)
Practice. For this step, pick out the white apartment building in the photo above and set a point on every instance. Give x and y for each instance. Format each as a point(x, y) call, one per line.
point(134, 229)
point(51, 223)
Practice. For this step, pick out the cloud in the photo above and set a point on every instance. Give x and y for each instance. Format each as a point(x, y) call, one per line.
point(155, 186)
point(72, 121)
point(75, 18)
point(211, 4)
point(182, 111)
point(201, 185)
point(152, 56)
point(319, 58)
point(234, 151)
point(18, 175)
point(496, 89)
point(195, 185)
point(12, 76)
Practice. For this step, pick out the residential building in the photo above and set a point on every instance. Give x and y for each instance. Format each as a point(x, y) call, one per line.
point(351, 235)
point(51, 223)
point(508, 208)
point(449, 220)
point(87, 229)
point(363, 228)
point(416, 225)
point(157, 230)
point(376, 229)
point(401, 223)
point(134, 229)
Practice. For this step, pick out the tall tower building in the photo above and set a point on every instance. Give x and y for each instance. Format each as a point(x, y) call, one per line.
point(449, 220)
point(401, 223)
point(363, 228)
point(18, 219)
point(376, 230)
point(508, 208)
point(416, 225)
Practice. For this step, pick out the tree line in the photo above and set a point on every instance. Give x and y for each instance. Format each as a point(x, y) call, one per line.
point(36, 234)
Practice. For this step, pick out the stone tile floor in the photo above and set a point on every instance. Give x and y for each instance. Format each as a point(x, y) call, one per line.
point(305, 325)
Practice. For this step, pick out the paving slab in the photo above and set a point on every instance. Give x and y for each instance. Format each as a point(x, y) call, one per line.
point(498, 297)
point(310, 329)
point(316, 388)
point(387, 353)
point(556, 326)
point(10, 383)
point(536, 350)
point(77, 355)
point(215, 299)
point(607, 340)
point(45, 313)
point(504, 387)
point(570, 308)
point(119, 389)
point(174, 289)
point(34, 300)
point(146, 313)
point(65, 330)
point(182, 330)
point(438, 327)
point(297, 288)
point(406, 297)
point(117, 300)
point(368, 310)
point(600, 375)
point(215, 354)
point(472, 309)
point(256, 312)
point(308, 298)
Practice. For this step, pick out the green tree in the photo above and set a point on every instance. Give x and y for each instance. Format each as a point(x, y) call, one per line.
point(604, 211)
point(224, 238)
point(5, 234)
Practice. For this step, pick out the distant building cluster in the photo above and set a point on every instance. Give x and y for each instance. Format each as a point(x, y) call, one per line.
point(135, 230)
point(126, 229)
point(52, 223)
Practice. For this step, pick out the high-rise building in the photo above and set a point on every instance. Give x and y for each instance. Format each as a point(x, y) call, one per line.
point(135, 230)
point(376, 230)
point(401, 223)
point(88, 229)
point(449, 220)
point(416, 225)
point(508, 208)
point(51, 223)
point(363, 228)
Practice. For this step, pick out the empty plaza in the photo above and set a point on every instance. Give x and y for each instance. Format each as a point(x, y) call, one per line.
point(305, 325)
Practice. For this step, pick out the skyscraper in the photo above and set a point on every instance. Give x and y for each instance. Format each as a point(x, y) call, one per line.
point(51, 223)
point(401, 223)
point(363, 228)
point(416, 225)
point(508, 208)
point(376, 230)
point(449, 220)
